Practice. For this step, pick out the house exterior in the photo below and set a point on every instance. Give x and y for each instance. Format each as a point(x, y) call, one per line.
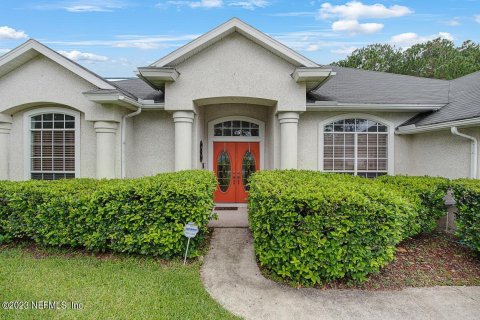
point(233, 101)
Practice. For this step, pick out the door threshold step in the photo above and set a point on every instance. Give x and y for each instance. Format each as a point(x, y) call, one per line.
point(226, 208)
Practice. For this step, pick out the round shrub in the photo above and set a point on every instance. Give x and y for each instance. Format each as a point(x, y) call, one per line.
point(141, 216)
point(467, 197)
point(427, 194)
point(311, 228)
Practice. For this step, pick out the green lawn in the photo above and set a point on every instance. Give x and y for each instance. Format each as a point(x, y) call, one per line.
point(107, 286)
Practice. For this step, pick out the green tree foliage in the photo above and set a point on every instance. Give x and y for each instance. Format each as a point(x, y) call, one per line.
point(438, 58)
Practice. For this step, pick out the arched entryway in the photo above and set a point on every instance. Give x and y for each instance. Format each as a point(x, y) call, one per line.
point(236, 145)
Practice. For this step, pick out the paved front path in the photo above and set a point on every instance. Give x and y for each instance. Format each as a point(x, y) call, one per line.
point(232, 277)
point(230, 218)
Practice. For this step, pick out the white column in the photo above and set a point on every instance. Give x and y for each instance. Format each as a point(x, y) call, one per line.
point(288, 139)
point(5, 129)
point(106, 140)
point(183, 139)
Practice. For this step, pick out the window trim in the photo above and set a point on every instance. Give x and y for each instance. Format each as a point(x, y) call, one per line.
point(390, 140)
point(27, 116)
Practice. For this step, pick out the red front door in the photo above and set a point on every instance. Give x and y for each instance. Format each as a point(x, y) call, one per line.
point(233, 163)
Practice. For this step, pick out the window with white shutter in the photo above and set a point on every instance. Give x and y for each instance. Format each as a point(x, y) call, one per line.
point(356, 146)
point(53, 146)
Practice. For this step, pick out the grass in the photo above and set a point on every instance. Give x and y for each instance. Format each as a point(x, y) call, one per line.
point(435, 259)
point(107, 286)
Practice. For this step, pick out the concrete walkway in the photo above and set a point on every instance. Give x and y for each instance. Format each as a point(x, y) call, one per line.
point(230, 218)
point(232, 277)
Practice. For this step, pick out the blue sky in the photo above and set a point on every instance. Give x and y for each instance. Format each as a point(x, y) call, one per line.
point(113, 37)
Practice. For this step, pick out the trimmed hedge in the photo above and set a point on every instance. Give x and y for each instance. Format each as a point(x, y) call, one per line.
point(142, 216)
point(427, 193)
point(311, 228)
point(467, 197)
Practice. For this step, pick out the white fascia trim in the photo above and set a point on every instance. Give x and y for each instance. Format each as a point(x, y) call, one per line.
point(411, 129)
point(154, 106)
point(56, 57)
point(227, 28)
point(311, 74)
point(127, 102)
point(159, 74)
point(336, 106)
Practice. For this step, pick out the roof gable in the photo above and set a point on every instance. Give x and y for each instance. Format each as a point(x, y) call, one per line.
point(220, 32)
point(32, 48)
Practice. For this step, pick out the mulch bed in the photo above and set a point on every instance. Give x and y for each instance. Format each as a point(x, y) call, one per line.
point(436, 259)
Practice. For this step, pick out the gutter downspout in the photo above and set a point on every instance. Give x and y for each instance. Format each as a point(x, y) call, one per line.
point(473, 151)
point(124, 134)
point(330, 74)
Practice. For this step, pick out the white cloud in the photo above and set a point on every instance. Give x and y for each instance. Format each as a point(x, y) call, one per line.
point(293, 14)
point(250, 4)
point(151, 42)
point(312, 41)
point(356, 10)
point(344, 51)
point(477, 18)
point(453, 22)
point(143, 45)
point(408, 39)
point(83, 5)
point(3, 51)
point(131, 41)
point(76, 55)
point(347, 16)
point(208, 4)
point(354, 27)
point(7, 33)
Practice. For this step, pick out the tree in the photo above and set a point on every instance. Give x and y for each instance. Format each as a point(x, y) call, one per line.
point(376, 57)
point(438, 58)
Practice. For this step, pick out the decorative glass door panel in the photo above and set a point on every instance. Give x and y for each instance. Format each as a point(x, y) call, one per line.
point(234, 163)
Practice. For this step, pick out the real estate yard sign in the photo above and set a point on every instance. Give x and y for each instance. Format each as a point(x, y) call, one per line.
point(190, 231)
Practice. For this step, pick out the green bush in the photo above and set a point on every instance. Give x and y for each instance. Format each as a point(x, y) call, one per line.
point(142, 216)
point(467, 197)
point(310, 227)
point(427, 193)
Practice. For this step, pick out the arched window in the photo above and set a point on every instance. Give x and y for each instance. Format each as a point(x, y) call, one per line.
point(53, 145)
point(236, 128)
point(356, 146)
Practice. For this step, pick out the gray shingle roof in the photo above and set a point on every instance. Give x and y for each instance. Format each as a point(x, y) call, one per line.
point(464, 103)
point(140, 89)
point(361, 86)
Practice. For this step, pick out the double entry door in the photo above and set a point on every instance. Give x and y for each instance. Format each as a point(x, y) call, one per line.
point(233, 163)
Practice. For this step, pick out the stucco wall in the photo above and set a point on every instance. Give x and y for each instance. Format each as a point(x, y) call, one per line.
point(308, 127)
point(237, 67)
point(43, 83)
point(152, 151)
point(440, 153)
point(199, 135)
